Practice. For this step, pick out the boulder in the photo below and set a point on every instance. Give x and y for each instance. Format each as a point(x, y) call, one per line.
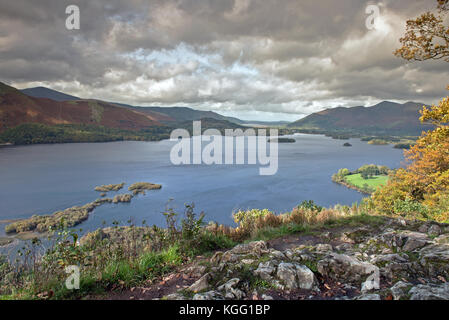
point(430, 292)
point(296, 276)
point(231, 291)
point(210, 295)
point(400, 290)
point(345, 268)
point(265, 270)
point(434, 230)
point(435, 260)
point(371, 296)
point(201, 284)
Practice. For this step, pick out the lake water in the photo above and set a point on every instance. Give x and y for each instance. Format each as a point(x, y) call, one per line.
point(41, 179)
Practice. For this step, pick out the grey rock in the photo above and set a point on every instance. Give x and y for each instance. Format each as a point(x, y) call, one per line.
point(388, 258)
point(210, 295)
point(255, 247)
point(424, 228)
point(296, 276)
point(345, 268)
point(430, 292)
point(175, 296)
point(265, 270)
point(230, 289)
point(371, 296)
point(323, 247)
point(400, 290)
point(435, 260)
point(434, 230)
point(442, 239)
point(275, 254)
point(201, 284)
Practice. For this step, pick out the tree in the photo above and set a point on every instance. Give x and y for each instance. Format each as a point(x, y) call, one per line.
point(424, 183)
point(426, 37)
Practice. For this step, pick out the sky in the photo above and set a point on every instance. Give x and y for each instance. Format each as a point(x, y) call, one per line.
point(253, 59)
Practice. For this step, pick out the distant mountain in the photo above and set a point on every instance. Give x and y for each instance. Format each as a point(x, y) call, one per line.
point(167, 115)
point(180, 114)
point(385, 118)
point(17, 108)
point(42, 92)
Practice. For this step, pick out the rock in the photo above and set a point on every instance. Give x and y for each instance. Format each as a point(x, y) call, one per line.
point(201, 284)
point(424, 228)
point(255, 247)
point(355, 236)
point(343, 247)
point(435, 260)
point(287, 273)
point(247, 261)
point(345, 268)
point(231, 291)
point(400, 290)
point(430, 292)
point(174, 296)
point(210, 295)
point(371, 296)
point(265, 270)
point(275, 254)
point(389, 258)
point(399, 270)
point(413, 243)
point(442, 239)
point(322, 247)
point(403, 240)
point(434, 230)
point(296, 276)
point(369, 285)
point(266, 297)
point(195, 271)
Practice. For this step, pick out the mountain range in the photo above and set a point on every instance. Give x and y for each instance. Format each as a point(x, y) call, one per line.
point(45, 106)
point(385, 118)
point(17, 108)
point(164, 115)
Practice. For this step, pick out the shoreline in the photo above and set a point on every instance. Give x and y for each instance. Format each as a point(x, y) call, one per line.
point(350, 186)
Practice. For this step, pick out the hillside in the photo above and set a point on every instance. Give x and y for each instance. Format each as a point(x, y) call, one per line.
point(167, 115)
point(17, 108)
point(42, 92)
point(385, 118)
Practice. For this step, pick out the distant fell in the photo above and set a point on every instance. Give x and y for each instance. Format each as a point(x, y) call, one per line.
point(18, 108)
point(43, 92)
point(385, 118)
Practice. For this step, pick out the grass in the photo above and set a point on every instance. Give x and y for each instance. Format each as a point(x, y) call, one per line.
point(131, 256)
point(372, 183)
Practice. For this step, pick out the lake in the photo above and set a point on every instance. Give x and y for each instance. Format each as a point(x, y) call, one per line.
point(41, 179)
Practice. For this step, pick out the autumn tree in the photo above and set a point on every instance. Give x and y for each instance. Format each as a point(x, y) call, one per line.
point(426, 37)
point(422, 188)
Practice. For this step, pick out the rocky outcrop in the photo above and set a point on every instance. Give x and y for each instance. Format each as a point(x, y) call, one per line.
point(398, 260)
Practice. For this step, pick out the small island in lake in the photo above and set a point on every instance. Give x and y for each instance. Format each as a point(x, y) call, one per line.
point(365, 179)
point(282, 140)
point(75, 215)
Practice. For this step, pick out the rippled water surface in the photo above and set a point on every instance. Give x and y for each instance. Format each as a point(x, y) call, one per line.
point(41, 179)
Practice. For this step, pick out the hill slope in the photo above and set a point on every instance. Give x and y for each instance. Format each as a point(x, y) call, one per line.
point(385, 118)
point(166, 115)
point(17, 108)
point(42, 92)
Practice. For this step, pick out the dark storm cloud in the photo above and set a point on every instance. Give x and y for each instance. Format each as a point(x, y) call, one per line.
point(231, 55)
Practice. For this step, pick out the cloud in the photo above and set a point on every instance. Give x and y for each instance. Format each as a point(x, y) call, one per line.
point(259, 58)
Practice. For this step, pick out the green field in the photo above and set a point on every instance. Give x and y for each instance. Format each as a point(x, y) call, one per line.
point(373, 183)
